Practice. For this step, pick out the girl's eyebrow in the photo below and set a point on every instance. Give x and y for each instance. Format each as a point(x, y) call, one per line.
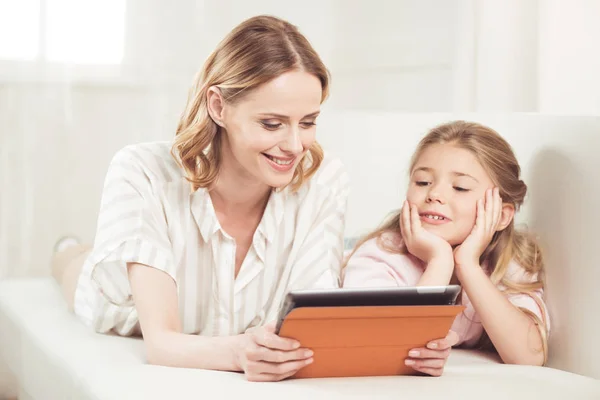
point(456, 173)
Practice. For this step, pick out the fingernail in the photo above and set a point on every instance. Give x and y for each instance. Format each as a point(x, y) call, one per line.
point(309, 361)
point(308, 353)
point(296, 345)
point(413, 353)
point(409, 362)
point(432, 345)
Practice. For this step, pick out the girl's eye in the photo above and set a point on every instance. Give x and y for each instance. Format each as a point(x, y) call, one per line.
point(270, 126)
point(460, 189)
point(422, 183)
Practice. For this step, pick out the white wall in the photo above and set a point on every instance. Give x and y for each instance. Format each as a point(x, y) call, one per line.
point(58, 131)
point(569, 57)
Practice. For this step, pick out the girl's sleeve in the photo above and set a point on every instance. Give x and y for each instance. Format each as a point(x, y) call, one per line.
point(534, 301)
point(371, 266)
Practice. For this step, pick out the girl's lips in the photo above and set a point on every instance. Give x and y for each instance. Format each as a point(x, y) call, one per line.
point(433, 218)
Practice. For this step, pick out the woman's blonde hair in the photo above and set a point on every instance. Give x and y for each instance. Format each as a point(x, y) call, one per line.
point(498, 159)
point(255, 52)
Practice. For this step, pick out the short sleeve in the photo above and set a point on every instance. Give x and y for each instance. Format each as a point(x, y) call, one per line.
point(318, 261)
point(372, 266)
point(131, 228)
point(533, 301)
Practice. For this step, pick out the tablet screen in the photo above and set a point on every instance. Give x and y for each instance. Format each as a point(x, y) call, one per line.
point(346, 297)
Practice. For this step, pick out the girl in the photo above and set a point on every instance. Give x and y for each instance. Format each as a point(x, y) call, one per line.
point(456, 226)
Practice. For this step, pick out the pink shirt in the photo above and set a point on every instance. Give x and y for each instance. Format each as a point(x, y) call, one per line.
point(371, 266)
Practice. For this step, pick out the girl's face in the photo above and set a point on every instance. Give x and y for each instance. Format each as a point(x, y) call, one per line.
point(445, 184)
point(269, 130)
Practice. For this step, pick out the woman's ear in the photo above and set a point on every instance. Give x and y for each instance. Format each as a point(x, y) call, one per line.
point(506, 216)
point(214, 101)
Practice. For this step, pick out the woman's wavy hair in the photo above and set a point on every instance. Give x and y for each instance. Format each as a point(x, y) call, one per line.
point(255, 52)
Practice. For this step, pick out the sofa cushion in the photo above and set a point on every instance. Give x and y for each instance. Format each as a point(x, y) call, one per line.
point(53, 356)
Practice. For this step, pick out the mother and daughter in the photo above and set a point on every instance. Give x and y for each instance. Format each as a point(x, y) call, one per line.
point(199, 240)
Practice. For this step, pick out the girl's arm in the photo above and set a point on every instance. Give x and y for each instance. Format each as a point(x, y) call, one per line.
point(514, 334)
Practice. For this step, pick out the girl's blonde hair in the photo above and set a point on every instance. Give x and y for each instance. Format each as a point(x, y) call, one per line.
point(255, 52)
point(498, 159)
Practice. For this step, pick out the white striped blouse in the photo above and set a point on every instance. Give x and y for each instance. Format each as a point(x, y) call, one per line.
point(149, 215)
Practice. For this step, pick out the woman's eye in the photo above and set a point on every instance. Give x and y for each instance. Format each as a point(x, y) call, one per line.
point(460, 189)
point(270, 126)
point(308, 125)
point(422, 183)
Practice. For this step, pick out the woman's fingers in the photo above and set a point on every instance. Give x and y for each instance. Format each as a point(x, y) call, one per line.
point(263, 367)
point(451, 339)
point(278, 356)
point(432, 359)
point(430, 371)
point(426, 362)
point(264, 337)
point(278, 372)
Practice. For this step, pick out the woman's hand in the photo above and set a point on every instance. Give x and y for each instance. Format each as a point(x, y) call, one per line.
point(267, 357)
point(421, 243)
point(431, 360)
point(489, 210)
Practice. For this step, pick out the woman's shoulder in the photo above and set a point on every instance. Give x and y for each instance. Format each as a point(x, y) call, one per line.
point(153, 159)
point(331, 179)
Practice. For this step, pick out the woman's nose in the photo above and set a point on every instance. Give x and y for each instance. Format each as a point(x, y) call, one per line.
point(292, 144)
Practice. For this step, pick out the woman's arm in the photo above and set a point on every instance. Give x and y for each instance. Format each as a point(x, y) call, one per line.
point(514, 334)
point(155, 296)
point(261, 354)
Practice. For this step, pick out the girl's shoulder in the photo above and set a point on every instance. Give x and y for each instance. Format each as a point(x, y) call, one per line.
point(387, 247)
point(515, 272)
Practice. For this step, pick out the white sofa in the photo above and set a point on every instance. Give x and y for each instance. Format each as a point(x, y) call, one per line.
point(52, 356)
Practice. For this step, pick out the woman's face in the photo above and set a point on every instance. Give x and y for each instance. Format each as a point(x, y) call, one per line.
point(269, 130)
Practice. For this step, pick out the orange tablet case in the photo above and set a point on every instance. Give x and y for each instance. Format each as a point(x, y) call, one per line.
point(365, 340)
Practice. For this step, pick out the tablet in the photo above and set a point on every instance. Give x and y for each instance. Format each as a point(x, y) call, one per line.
point(350, 297)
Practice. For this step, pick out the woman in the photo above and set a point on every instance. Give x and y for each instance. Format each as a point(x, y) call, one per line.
point(198, 241)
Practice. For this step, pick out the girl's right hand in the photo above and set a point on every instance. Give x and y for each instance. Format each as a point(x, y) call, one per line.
point(422, 244)
point(267, 357)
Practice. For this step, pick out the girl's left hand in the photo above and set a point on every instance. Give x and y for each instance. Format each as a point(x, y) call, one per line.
point(431, 360)
point(489, 210)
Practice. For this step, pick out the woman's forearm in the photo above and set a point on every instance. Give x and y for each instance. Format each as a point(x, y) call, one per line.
point(174, 349)
point(513, 333)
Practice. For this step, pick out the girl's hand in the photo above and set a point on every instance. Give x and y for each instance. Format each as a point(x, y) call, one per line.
point(431, 360)
point(489, 210)
point(267, 357)
point(422, 244)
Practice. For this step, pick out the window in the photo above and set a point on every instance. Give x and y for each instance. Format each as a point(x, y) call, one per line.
point(81, 32)
point(19, 29)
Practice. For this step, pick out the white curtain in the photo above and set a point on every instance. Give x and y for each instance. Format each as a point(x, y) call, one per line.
point(63, 113)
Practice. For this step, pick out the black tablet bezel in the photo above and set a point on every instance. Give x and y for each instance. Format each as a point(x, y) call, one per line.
point(352, 297)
